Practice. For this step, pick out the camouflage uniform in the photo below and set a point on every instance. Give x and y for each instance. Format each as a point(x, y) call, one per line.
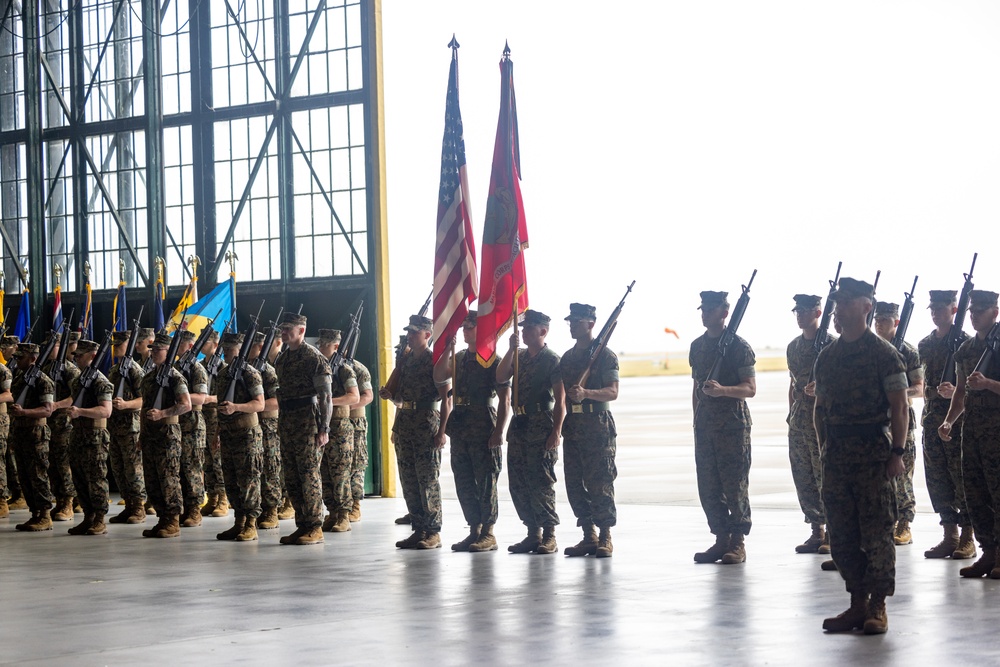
point(905, 499)
point(942, 460)
point(853, 380)
point(123, 429)
point(980, 452)
point(298, 424)
point(193, 437)
point(531, 468)
point(803, 447)
point(161, 445)
point(722, 437)
point(61, 427)
point(271, 482)
point(29, 438)
point(589, 441)
point(475, 464)
point(242, 443)
point(417, 457)
point(338, 455)
point(360, 423)
point(89, 449)
point(6, 377)
point(215, 483)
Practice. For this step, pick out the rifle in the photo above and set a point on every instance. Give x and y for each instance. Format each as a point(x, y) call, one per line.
point(992, 345)
point(89, 374)
point(214, 363)
point(240, 363)
point(59, 365)
point(163, 370)
point(126, 363)
point(392, 384)
point(31, 329)
point(261, 359)
point(35, 370)
point(730, 333)
point(339, 357)
point(904, 317)
point(598, 345)
point(3, 329)
point(823, 333)
point(955, 334)
point(871, 313)
point(190, 358)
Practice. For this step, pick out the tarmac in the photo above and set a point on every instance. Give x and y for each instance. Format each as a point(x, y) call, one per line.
point(356, 600)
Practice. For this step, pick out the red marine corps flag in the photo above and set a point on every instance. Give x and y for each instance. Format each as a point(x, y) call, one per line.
point(503, 283)
point(455, 257)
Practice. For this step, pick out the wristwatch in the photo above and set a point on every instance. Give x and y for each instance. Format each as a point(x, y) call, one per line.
point(898, 451)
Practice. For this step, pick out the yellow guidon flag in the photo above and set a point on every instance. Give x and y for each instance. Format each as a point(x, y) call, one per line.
point(188, 299)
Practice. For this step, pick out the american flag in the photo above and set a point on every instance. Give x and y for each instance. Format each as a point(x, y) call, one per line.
point(455, 275)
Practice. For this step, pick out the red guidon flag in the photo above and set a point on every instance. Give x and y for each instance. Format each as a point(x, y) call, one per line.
point(505, 235)
point(455, 256)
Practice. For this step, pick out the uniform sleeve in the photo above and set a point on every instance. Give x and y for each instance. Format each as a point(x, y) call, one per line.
point(555, 375)
point(5, 379)
point(745, 361)
point(364, 377)
point(493, 374)
point(103, 389)
point(46, 390)
point(199, 379)
point(348, 378)
point(180, 385)
point(253, 383)
point(691, 358)
point(893, 372)
point(914, 371)
point(609, 368)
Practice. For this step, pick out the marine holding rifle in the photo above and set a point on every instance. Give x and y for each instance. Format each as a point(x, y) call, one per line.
point(338, 455)
point(123, 426)
point(589, 433)
point(722, 429)
point(193, 434)
point(29, 436)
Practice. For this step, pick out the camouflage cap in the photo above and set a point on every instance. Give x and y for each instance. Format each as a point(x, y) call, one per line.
point(943, 297)
point(470, 319)
point(328, 336)
point(30, 349)
point(292, 320)
point(806, 302)
point(120, 337)
point(710, 300)
point(145, 333)
point(419, 323)
point(849, 288)
point(213, 336)
point(188, 336)
point(7, 341)
point(161, 340)
point(533, 318)
point(74, 337)
point(85, 346)
point(258, 338)
point(230, 339)
point(981, 299)
point(581, 311)
point(886, 309)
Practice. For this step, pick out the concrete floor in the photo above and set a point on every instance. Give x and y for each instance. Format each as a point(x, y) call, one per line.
point(121, 599)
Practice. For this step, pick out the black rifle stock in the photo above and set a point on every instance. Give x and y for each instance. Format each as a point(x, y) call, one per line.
point(35, 370)
point(59, 365)
point(89, 374)
point(600, 342)
point(871, 313)
point(822, 338)
point(163, 370)
point(127, 361)
point(239, 364)
point(955, 334)
point(904, 317)
point(729, 335)
point(214, 363)
point(189, 358)
point(992, 341)
point(340, 356)
point(261, 359)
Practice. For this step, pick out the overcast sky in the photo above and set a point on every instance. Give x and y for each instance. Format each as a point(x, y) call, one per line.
point(684, 144)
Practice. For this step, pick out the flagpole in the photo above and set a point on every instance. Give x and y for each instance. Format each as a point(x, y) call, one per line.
point(517, 345)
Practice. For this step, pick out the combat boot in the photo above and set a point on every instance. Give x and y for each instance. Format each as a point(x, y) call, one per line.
point(77, 508)
point(249, 532)
point(209, 507)
point(850, 619)
point(527, 544)
point(341, 524)
point(814, 541)
point(328, 522)
point(431, 540)
point(18, 503)
point(63, 510)
point(192, 517)
point(136, 512)
point(966, 545)
point(222, 507)
point(982, 567)
point(469, 540)
point(547, 545)
point(902, 535)
point(355, 514)
point(737, 552)
point(585, 547)
point(82, 527)
point(287, 511)
point(148, 507)
point(824, 548)
point(43, 521)
point(4, 510)
point(268, 519)
point(312, 535)
point(296, 534)
point(876, 621)
point(26, 525)
point(995, 572)
point(412, 541)
point(946, 546)
point(604, 546)
point(405, 520)
point(151, 532)
point(486, 540)
point(237, 528)
point(97, 527)
point(122, 516)
point(171, 526)
point(828, 566)
point(714, 552)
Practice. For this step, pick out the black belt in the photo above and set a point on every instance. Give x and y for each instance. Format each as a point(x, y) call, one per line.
point(465, 401)
point(531, 408)
point(419, 405)
point(856, 430)
point(296, 403)
point(581, 408)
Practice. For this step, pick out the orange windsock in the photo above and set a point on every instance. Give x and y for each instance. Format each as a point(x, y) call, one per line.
point(671, 331)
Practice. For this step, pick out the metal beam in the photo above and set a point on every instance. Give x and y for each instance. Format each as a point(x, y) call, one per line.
point(153, 91)
point(203, 137)
point(34, 156)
